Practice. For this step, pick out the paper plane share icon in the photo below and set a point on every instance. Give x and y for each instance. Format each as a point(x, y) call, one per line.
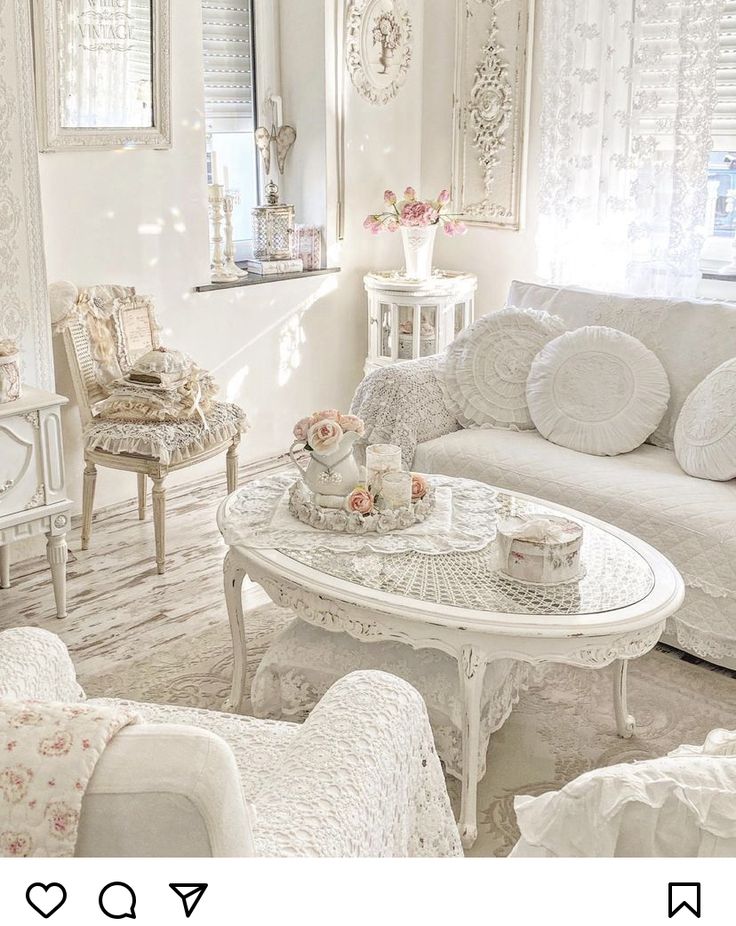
point(190, 895)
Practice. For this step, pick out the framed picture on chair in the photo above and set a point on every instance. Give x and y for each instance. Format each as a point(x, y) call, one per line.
point(136, 329)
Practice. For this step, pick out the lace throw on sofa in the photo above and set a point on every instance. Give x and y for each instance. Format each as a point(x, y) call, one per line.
point(628, 98)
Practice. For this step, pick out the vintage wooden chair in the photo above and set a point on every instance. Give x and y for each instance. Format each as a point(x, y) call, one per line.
point(152, 450)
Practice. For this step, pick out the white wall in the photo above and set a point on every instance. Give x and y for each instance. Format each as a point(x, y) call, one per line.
point(140, 217)
point(497, 256)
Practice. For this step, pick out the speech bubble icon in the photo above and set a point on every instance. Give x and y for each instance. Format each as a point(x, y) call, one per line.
point(117, 900)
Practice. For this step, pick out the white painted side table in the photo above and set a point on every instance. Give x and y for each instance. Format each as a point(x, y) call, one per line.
point(408, 320)
point(32, 483)
point(460, 604)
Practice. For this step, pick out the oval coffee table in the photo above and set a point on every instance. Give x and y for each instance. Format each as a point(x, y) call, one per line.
point(459, 604)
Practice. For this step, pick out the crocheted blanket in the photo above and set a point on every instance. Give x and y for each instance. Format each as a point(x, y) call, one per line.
point(48, 752)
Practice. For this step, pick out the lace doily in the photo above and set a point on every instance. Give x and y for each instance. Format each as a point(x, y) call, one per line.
point(253, 518)
point(616, 575)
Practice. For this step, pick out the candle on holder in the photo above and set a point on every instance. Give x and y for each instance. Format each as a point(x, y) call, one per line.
point(379, 460)
point(396, 490)
point(215, 171)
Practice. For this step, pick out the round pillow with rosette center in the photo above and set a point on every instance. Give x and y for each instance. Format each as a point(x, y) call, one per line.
point(705, 433)
point(486, 367)
point(597, 390)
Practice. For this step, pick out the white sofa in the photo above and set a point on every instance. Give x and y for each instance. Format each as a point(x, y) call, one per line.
point(692, 521)
point(359, 778)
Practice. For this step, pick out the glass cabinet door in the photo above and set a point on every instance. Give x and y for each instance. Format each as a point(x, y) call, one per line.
point(386, 333)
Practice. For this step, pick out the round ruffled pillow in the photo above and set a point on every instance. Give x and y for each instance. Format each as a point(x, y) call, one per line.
point(705, 433)
point(485, 369)
point(597, 390)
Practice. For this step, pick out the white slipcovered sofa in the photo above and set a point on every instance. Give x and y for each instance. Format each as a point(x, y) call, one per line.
point(692, 521)
point(359, 778)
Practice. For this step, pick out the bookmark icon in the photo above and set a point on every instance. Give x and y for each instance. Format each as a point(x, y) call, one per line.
point(190, 895)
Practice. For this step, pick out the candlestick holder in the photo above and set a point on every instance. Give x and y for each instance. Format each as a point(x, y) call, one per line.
point(230, 267)
point(217, 201)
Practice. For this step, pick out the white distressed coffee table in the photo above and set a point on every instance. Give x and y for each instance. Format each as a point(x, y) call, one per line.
point(459, 604)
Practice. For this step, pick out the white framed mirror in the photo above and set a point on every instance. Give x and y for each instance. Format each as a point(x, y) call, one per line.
point(102, 73)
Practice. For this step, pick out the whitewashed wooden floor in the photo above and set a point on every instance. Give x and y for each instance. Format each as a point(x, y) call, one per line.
point(118, 606)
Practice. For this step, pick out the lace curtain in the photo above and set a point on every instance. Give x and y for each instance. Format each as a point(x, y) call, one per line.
point(628, 99)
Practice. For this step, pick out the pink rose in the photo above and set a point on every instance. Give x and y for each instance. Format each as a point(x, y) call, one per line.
point(410, 194)
point(389, 197)
point(418, 214)
point(352, 423)
point(419, 487)
point(331, 413)
point(360, 500)
point(324, 436)
point(301, 428)
point(444, 197)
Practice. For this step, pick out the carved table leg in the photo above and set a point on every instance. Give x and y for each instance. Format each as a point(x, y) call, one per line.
point(88, 501)
point(56, 551)
point(625, 723)
point(472, 671)
point(233, 575)
point(5, 566)
point(142, 485)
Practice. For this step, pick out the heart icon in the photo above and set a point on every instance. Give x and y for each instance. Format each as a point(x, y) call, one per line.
point(46, 899)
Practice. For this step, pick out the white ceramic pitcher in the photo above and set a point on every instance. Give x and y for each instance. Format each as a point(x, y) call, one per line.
point(331, 476)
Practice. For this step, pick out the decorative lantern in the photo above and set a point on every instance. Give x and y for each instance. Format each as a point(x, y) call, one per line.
point(273, 228)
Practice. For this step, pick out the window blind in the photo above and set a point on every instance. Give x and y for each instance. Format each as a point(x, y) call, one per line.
point(724, 119)
point(228, 65)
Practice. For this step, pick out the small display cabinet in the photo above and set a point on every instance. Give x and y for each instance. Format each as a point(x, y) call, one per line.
point(409, 319)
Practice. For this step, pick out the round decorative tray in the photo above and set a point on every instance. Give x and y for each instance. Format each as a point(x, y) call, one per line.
point(303, 506)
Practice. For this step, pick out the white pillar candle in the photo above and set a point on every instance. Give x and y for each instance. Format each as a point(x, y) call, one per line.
point(396, 490)
point(215, 171)
point(379, 460)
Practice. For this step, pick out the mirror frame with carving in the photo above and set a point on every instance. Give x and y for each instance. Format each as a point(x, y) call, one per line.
point(52, 136)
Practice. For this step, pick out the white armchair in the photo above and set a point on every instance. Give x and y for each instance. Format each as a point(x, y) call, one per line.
point(359, 777)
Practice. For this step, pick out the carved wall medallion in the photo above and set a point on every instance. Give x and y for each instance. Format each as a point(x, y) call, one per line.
point(378, 47)
point(492, 60)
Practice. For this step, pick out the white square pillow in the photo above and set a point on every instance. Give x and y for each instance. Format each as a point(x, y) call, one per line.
point(705, 433)
point(668, 807)
point(485, 368)
point(597, 390)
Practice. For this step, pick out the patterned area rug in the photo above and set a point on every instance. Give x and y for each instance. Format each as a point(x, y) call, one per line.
point(562, 727)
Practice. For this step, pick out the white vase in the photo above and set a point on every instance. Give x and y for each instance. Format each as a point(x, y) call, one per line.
point(10, 389)
point(418, 248)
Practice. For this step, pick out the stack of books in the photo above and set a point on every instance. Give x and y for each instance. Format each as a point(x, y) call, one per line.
point(291, 265)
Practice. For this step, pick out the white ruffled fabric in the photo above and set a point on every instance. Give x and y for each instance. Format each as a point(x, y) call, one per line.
point(169, 442)
point(597, 390)
point(671, 807)
point(486, 367)
point(705, 433)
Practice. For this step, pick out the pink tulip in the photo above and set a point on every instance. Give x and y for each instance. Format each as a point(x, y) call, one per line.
point(372, 224)
point(444, 197)
point(410, 194)
point(389, 197)
point(392, 225)
point(455, 229)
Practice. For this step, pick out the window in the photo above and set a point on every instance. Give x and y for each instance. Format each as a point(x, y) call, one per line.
point(230, 110)
point(720, 220)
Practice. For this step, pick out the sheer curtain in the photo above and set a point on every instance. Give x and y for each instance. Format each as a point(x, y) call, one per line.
point(628, 99)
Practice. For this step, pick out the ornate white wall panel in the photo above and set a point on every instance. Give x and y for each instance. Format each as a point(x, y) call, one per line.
point(24, 311)
point(492, 81)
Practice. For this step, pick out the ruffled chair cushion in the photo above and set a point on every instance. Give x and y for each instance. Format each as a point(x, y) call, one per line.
point(486, 367)
point(597, 390)
point(705, 433)
point(168, 442)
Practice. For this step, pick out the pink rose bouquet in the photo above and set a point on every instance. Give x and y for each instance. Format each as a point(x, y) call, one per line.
point(323, 430)
point(413, 212)
point(360, 501)
point(419, 487)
